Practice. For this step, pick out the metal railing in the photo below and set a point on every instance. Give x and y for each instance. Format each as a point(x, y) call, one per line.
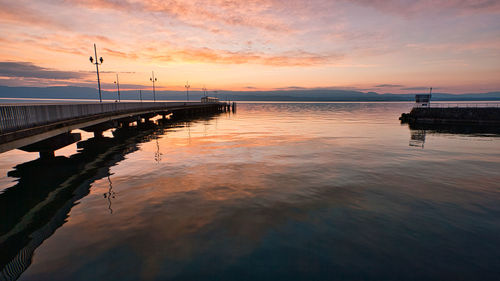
point(460, 105)
point(16, 117)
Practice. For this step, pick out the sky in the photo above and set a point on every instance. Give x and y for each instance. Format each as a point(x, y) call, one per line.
point(386, 46)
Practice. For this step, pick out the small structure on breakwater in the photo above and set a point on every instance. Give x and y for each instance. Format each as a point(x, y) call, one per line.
point(209, 100)
point(445, 113)
point(423, 100)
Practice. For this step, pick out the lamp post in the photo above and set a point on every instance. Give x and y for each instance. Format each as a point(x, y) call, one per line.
point(140, 94)
point(153, 79)
point(117, 82)
point(204, 91)
point(187, 89)
point(97, 63)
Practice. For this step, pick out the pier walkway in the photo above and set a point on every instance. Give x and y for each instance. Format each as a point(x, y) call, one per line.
point(23, 125)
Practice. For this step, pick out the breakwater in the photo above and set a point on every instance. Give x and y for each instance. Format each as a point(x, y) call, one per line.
point(452, 115)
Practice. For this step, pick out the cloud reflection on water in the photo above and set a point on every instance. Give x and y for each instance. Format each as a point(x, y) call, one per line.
point(288, 191)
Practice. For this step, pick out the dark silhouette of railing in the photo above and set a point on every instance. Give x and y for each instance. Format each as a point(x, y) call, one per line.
point(16, 117)
point(25, 124)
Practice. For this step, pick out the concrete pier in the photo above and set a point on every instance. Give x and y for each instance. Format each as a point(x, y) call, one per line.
point(24, 124)
point(452, 115)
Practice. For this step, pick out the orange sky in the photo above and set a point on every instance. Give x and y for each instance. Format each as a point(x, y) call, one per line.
point(369, 45)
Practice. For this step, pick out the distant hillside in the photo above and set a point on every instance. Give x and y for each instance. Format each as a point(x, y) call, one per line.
point(293, 95)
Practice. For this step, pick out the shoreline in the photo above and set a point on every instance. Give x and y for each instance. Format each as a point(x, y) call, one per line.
point(8, 100)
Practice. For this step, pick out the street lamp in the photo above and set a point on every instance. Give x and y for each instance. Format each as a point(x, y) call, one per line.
point(140, 94)
point(153, 79)
point(117, 82)
point(204, 91)
point(97, 63)
point(187, 89)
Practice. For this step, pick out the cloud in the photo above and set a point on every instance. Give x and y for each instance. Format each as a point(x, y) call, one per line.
point(325, 88)
point(29, 70)
point(15, 12)
point(488, 44)
point(417, 88)
point(388, 86)
point(120, 54)
point(292, 88)
point(123, 86)
point(39, 82)
point(255, 13)
point(306, 42)
point(119, 72)
point(56, 42)
point(207, 55)
point(419, 7)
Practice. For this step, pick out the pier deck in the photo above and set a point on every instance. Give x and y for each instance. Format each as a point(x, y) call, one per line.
point(25, 124)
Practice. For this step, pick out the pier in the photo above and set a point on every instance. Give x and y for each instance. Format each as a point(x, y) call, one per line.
point(45, 128)
point(425, 112)
point(486, 114)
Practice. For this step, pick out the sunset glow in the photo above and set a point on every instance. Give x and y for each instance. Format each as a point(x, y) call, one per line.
point(383, 46)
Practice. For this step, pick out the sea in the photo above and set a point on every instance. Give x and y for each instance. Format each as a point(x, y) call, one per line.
point(272, 191)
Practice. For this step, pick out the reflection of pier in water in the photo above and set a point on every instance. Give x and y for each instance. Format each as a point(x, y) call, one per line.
point(40, 202)
point(419, 131)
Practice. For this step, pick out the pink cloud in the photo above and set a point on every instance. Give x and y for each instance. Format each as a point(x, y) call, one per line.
point(15, 12)
point(255, 14)
point(419, 7)
point(458, 47)
point(207, 55)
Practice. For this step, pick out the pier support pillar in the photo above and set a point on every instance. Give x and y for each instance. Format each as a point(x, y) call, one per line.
point(47, 147)
point(47, 154)
point(100, 128)
point(98, 134)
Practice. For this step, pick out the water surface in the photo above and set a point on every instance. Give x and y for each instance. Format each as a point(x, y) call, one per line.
point(277, 191)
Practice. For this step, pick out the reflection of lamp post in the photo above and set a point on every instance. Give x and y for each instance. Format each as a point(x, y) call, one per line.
point(118, 85)
point(97, 69)
point(153, 79)
point(158, 154)
point(110, 194)
point(187, 89)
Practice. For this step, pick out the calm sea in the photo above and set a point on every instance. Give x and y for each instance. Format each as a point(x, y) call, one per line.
point(276, 191)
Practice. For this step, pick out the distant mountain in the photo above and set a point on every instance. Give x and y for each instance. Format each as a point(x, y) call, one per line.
point(284, 95)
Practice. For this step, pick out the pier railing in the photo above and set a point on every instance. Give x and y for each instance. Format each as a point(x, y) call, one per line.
point(460, 105)
point(19, 116)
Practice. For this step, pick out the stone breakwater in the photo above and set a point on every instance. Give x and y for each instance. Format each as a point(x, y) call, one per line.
point(453, 115)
